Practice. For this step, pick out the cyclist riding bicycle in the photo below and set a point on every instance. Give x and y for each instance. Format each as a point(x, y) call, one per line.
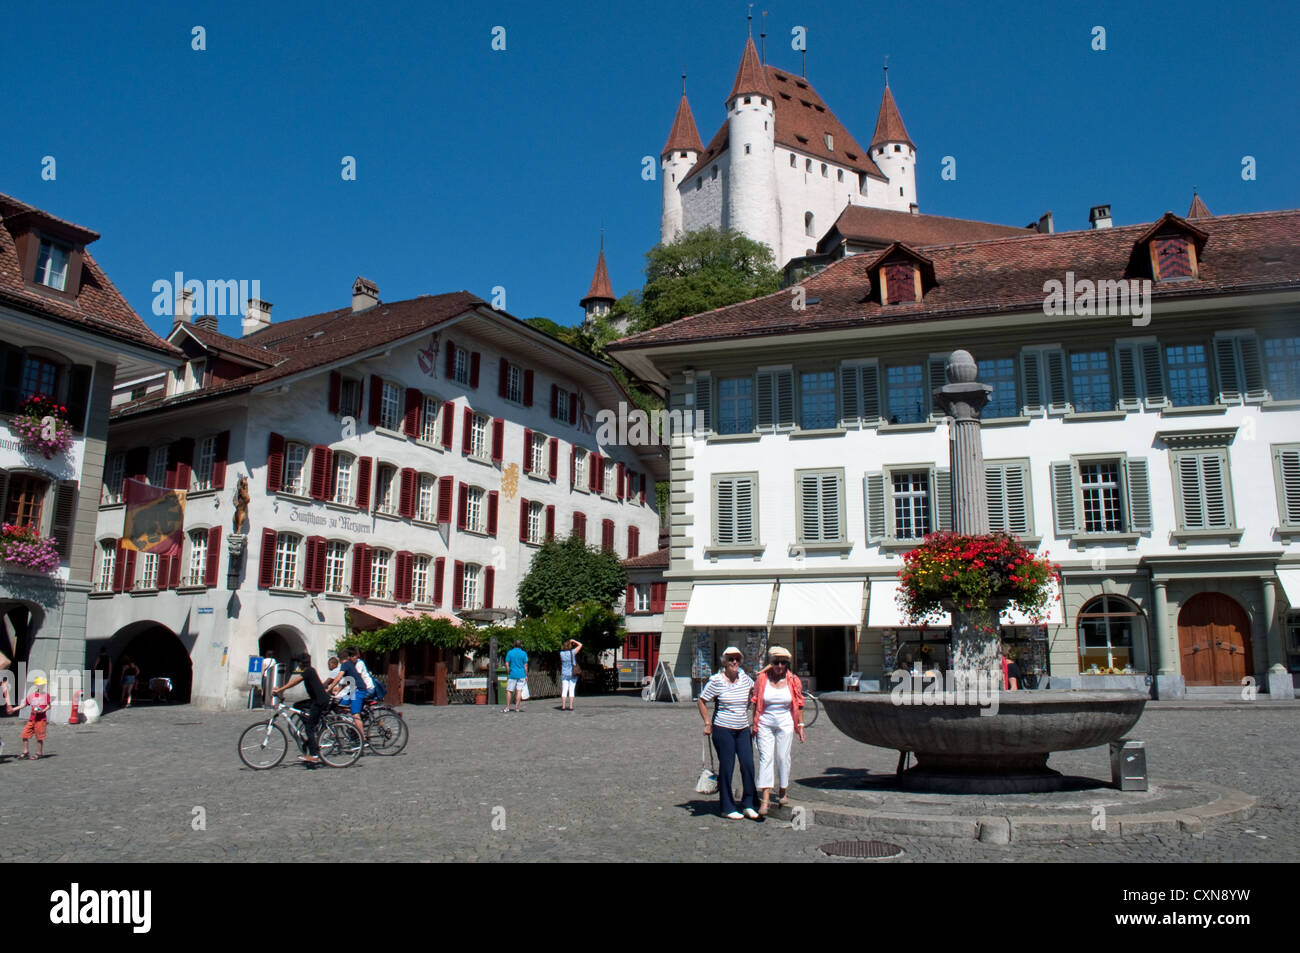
point(357, 677)
point(304, 674)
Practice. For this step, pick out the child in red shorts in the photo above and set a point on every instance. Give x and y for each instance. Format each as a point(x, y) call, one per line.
point(39, 704)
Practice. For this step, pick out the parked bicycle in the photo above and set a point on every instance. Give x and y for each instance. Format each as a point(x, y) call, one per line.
point(811, 707)
point(264, 745)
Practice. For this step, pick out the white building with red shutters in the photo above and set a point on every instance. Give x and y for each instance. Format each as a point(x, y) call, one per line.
point(403, 457)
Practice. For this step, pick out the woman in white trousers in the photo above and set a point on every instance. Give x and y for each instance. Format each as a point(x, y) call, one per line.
point(778, 718)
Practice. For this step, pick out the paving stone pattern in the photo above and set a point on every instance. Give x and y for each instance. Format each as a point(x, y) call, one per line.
point(612, 781)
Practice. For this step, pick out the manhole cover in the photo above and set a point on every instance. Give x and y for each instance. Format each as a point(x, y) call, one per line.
point(861, 848)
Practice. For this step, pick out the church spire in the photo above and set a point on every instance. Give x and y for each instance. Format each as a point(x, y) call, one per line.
point(600, 296)
point(1199, 209)
point(889, 124)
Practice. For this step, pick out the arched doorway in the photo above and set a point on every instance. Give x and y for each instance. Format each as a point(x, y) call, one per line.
point(159, 654)
point(1214, 640)
point(19, 623)
point(282, 644)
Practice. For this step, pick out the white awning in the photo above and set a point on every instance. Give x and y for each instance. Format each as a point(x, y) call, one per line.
point(819, 603)
point(1290, 579)
point(1053, 612)
point(741, 604)
point(882, 609)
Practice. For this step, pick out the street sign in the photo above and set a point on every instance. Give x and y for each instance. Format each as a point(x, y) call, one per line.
point(205, 610)
point(254, 670)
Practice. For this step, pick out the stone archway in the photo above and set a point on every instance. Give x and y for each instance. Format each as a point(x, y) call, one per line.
point(1214, 640)
point(282, 643)
point(159, 653)
point(19, 623)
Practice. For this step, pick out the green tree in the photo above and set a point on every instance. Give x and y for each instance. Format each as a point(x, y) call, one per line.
point(566, 572)
point(705, 270)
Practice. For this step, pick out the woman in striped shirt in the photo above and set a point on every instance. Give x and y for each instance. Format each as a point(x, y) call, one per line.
point(729, 728)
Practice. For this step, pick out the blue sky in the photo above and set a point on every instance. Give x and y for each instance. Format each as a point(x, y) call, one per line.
point(478, 168)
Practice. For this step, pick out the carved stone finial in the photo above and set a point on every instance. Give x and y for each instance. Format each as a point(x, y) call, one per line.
point(961, 368)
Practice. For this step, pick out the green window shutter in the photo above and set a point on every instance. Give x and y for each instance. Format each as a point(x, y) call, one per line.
point(1152, 374)
point(1225, 363)
point(1193, 500)
point(995, 492)
point(937, 377)
point(62, 526)
point(1287, 467)
point(1252, 369)
point(726, 512)
point(1130, 396)
point(1015, 482)
point(849, 396)
point(766, 409)
point(943, 498)
point(1056, 380)
point(1063, 501)
point(1218, 508)
point(704, 403)
point(784, 398)
point(870, 394)
point(1139, 495)
point(830, 506)
point(744, 508)
point(809, 509)
point(1032, 380)
point(874, 489)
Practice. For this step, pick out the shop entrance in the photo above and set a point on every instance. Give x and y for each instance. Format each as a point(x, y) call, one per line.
point(821, 652)
point(1214, 640)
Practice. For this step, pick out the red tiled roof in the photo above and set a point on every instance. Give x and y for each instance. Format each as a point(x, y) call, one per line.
point(751, 77)
point(656, 560)
point(600, 289)
point(683, 136)
point(889, 124)
point(1254, 252)
point(233, 346)
point(882, 226)
point(1198, 209)
point(98, 305)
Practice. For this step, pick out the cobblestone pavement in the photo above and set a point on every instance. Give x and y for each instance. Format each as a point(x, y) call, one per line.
point(612, 781)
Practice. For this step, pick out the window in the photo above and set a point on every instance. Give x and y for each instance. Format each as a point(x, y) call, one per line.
point(1090, 381)
point(809, 225)
point(747, 148)
point(380, 578)
point(335, 558)
point(807, 167)
point(26, 497)
point(426, 507)
point(905, 398)
point(860, 394)
point(107, 564)
point(641, 598)
point(830, 142)
point(429, 432)
point(386, 490)
point(561, 404)
point(1189, 374)
point(793, 161)
point(1106, 628)
point(420, 579)
point(775, 398)
point(839, 175)
point(1240, 370)
point(898, 149)
point(825, 171)
point(1043, 377)
point(817, 400)
point(114, 474)
point(475, 511)
point(295, 467)
point(911, 497)
point(342, 492)
point(478, 436)
point(536, 522)
point(580, 470)
point(149, 572)
point(39, 377)
point(157, 474)
point(390, 407)
point(514, 383)
point(286, 561)
point(735, 514)
point(204, 461)
point(608, 486)
point(1282, 365)
point(1000, 373)
point(470, 590)
point(1286, 473)
point(461, 366)
point(350, 397)
point(820, 515)
point(736, 405)
point(52, 266)
point(1101, 495)
point(1202, 489)
point(1007, 488)
point(537, 454)
point(198, 572)
point(907, 503)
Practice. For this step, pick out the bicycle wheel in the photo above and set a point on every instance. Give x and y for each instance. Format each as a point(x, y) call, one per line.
point(340, 744)
point(386, 732)
point(810, 709)
point(262, 746)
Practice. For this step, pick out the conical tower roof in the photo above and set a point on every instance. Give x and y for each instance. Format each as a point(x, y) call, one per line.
point(600, 289)
point(750, 78)
point(889, 124)
point(684, 136)
point(1198, 209)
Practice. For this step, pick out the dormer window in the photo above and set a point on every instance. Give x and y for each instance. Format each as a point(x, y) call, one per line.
point(830, 142)
point(1171, 258)
point(1171, 248)
point(901, 275)
point(899, 283)
point(52, 265)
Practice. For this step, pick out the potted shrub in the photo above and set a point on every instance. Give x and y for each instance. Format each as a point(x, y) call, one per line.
point(950, 572)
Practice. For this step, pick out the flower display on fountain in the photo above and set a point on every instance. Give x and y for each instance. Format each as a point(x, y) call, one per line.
point(974, 574)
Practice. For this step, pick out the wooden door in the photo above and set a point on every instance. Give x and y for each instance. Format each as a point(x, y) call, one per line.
point(1214, 640)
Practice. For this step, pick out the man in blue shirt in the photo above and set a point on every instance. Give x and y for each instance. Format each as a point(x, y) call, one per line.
point(517, 679)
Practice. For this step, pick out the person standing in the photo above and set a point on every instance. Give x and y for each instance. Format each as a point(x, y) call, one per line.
point(130, 672)
point(778, 716)
point(729, 729)
point(517, 679)
point(569, 673)
point(37, 704)
point(305, 675)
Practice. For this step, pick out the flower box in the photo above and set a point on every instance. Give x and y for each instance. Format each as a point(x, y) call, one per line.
point(951, 572)
point(23, 546)
point(41, 426)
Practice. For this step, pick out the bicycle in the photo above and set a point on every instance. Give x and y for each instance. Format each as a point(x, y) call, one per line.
point(262, 746)
point(811, 708)
point(386, 729)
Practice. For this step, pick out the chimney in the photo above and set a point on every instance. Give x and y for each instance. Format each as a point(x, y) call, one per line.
point(257, 316)
point(208, 322)
point(1099, 215)
point(365, 294)
point(1044, 225)
point(184, 312)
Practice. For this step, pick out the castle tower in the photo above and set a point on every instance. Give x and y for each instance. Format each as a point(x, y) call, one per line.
point(600, 296)
point(895, 154)
point(751, 197)
point(679, 154)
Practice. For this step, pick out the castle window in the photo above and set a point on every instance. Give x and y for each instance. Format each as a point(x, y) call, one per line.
point(900, 190)
point(699, 184)
point(747, 148)
point(824, 170)
point(681, 155)
point(807, 166)
point(809, 226)
point(793, 162)
point(898, 148)
point(763, 100)
point(715, 168)
point(52, 265)
point(839, 175)
point(830, 142)
point(746, 100)
point(880, 151)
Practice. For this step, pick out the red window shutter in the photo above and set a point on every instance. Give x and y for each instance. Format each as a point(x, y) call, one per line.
point(555, 401)
point(376, 398)
point(458, 585)
point(498, 439)
point(593, 471)
point(528, 388)
point(309, 564)
point(174, 573)
point(448, 425)
point(528, 450)
point(580, 526)
point(657, 592)
point(622, 482)
point(466, 438)
point(266, 568)
point(630, 604)
point(462, 506)
point(364, 467)
point(550, 523)
point(336, 391)
point(222, 451)
point(573, 466)
point(607, 534)
point(119, 567)
point(444, 499)
point(489, 584)
point(318, 564)
point(274, 463)
point(439, 568)
point(642, 491)
point(573, 407)
point(473, 369)
point(322, 460)
point(214, 557)
point(523, 520)
point(406, 493)
point(451, 362)
point(492, 512)
point(553, 465)
point(128, 575)
point(503, 373)
point(600, 474)
point(164, 572)
point(403, 565)
point(633, 542)
point(411, 419)
point(364, 556)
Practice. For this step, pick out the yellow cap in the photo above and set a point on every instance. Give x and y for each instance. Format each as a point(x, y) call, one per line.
point(38, 681)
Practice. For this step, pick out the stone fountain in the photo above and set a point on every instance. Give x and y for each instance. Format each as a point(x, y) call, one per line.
point(973, 737)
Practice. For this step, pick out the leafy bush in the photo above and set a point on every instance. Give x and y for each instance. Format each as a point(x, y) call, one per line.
point(566, 572)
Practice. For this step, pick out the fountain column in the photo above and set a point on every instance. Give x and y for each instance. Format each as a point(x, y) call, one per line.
point(976, 644)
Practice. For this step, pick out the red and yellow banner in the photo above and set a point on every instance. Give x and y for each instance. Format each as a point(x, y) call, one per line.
point(155, 519)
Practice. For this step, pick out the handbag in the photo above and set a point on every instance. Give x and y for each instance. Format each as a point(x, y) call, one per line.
point(573, 665)
point(708, 781)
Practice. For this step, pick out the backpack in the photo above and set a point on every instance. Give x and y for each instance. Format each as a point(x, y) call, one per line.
point(380, 691)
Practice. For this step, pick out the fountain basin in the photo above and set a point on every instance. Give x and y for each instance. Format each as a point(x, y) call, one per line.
point(998, 747)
